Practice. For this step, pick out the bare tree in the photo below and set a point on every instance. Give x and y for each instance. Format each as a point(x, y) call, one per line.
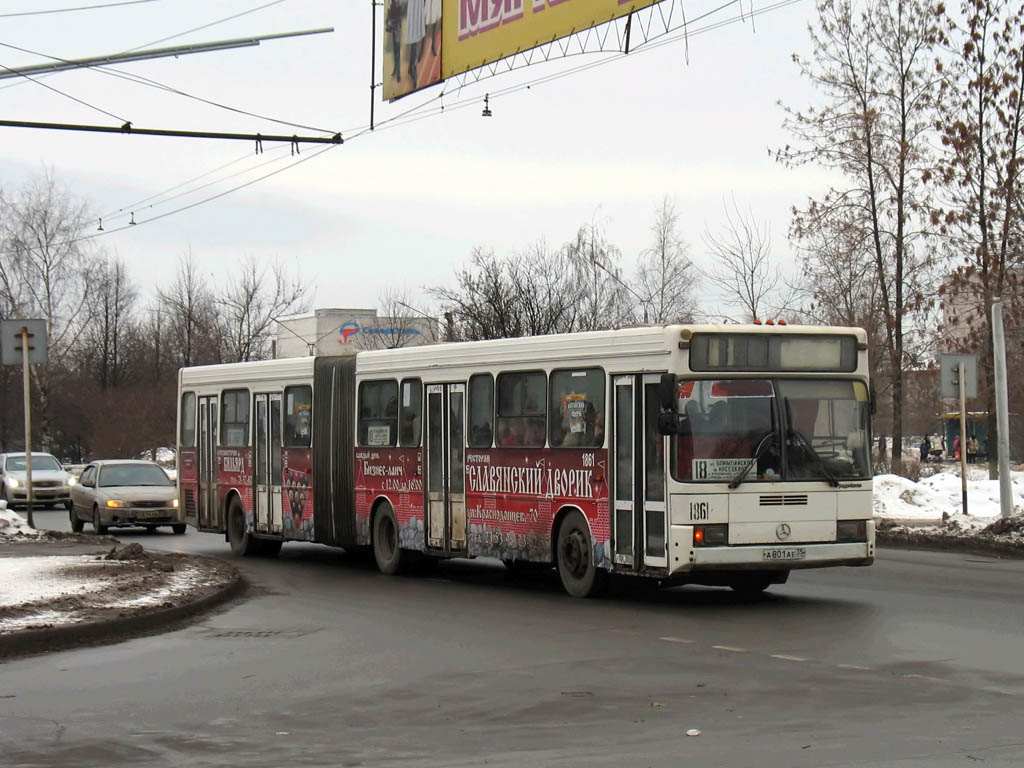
point(872, 62)
point(43, 273)
point(665, 276)
point(527, 294)
point(249, 303)
point(402, 323)
point(743, 268)
point(982, 125)
point(604, 296)
point(188, 305)
point(112, 306)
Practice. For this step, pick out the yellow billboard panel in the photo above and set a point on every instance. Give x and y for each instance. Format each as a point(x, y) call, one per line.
point(479, 32)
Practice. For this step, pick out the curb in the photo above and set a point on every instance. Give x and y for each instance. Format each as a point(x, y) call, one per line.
point(30, 642)
point(966, 545)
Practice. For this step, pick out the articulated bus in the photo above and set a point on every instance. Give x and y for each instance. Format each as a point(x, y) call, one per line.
point(720, 455)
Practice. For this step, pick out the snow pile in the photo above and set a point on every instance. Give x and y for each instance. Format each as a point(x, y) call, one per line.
point(930, 513)
point(13, 524)
point(939, 498)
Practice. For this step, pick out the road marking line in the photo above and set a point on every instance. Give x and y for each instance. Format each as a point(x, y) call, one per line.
point(675, 639)
point(1003, 691)
point(784, 657)
point(729, 648)
point(929, 678)
point(855, 666)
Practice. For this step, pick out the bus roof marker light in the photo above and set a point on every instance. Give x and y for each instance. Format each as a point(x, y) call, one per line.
point(781, 321)
point(769, 321)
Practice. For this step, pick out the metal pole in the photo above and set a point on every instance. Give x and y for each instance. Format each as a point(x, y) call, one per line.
point(373, 57)
point(963, 433)
point(1002, 412)
point(28, 424)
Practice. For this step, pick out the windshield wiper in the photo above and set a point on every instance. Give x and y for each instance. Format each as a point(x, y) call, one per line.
point(807, 446)
point(762, 446)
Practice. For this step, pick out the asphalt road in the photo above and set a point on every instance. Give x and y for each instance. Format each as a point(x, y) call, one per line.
point(916, 661)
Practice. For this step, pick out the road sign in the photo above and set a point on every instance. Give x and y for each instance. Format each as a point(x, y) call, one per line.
point(949, 385)
point(11, 341)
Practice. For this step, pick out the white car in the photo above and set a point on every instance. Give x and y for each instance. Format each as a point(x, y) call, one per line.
point(51, 485)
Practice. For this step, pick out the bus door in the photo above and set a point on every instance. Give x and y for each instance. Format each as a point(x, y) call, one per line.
point(268, 463)
point(206, 446)
point(639, 461)
point(446, 467)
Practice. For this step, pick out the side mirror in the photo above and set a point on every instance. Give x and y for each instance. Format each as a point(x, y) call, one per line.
point(872, 401)
point(667, 392)
point(668, 423)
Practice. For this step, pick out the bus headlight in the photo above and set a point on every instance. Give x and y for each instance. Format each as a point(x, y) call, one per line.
point(852, 530)
point(710, 535)
point(72, 480)
point(174, 503)
point(13, 482)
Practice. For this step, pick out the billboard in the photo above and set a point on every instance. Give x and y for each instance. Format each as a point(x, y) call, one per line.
point(426, 41)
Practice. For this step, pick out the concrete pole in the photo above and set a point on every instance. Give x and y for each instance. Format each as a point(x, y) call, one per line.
point(1002, 412)
point(28, 423)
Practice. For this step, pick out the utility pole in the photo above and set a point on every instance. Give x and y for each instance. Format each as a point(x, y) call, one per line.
point(1002, 412)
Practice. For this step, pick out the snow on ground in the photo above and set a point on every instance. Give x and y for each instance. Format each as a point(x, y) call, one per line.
point(30, 579)
point(939, 497)
point(13, 524)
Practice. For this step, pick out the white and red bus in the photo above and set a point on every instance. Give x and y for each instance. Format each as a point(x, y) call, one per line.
point(719, 455)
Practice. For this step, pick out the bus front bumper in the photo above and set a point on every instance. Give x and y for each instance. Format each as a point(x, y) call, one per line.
point(767, 557)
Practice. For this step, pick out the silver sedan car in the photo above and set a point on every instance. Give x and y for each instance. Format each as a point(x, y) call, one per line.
point(124, 492)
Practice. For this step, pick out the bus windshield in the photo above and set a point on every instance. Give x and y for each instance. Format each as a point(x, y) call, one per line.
point(735, 430)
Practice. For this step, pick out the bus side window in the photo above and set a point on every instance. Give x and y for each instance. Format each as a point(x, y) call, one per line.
point(481, 410)
point(378, 414)
point(298, 416)
point(577, 408)
point(234, 418)
point(522, 400)
point(187, 438)
point(411, 413)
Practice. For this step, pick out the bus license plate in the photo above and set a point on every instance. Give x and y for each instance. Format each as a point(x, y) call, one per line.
point(790, 553)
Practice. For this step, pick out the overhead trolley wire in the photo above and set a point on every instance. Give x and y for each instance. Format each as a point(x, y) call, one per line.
point(77, 8)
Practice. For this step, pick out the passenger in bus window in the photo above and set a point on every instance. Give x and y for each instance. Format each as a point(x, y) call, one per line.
point(535, 433)
point(598, 440)
point(513, 434)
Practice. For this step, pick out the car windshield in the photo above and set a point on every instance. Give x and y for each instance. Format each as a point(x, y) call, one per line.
point(40, 461)
point(759, 429)
point(133, 474)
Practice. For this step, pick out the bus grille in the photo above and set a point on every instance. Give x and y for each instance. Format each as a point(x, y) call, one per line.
point(190, 502)
point(785, 500)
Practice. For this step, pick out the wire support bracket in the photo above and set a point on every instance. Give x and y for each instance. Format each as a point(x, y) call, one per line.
point(128, 128)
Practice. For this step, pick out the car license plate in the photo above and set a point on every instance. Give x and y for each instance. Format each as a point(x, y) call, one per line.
point(145, 514)
point(789, 553)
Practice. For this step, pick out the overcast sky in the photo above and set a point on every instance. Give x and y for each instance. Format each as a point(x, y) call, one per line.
point(405, 205)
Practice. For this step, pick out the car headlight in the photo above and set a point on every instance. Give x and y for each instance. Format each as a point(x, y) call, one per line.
point(72, 480)
point(174, 503)
point(13, 482)
point(117, 503)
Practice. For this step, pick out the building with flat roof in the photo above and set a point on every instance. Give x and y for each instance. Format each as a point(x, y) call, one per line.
point(342, 331)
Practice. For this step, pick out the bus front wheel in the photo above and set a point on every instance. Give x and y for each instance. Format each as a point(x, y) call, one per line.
point(386, 549)
point(575, 558)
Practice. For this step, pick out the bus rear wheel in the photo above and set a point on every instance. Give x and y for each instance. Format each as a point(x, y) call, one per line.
point(386, 549)
point(575, 558)
point(242, 544)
